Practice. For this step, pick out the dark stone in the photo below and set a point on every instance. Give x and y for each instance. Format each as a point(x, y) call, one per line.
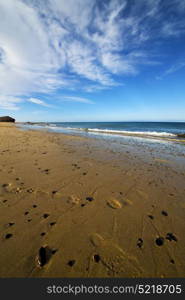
point(140, 243)
point(96, 258)
point(45, 216)
point(71, 263)
point(42, 257)
point(159, 241)
point(52, 223)
point(8, 235)
point(11, 224)
point(89, 199)
point(7, 119)
point(171, 237)
point(151, 217)
point(164, 213)
point(54, 192)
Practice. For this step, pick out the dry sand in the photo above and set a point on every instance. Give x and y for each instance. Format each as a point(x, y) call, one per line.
point(70, 208)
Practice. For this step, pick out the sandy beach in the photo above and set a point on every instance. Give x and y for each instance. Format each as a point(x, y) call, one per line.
point(75, 207)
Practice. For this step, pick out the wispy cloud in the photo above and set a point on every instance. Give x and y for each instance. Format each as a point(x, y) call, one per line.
point(9, 102)
point(51, 45)
point(38, 102)
point(174, 68)
point(76, 99)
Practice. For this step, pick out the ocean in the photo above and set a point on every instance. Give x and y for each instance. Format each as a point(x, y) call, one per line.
point(160, 130)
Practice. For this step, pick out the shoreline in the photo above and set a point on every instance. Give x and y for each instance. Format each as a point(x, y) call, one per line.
point(88, 132)
point(97, 209)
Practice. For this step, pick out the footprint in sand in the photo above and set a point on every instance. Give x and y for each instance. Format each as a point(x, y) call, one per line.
point(171, 237)
point(97, 258)
point(172, 261)
point(6, 187)
point(140, 243)
point(90, 199)
point(45, 216)
point(164, 213)
point(56, 194)
point(52, 223)
point(44, 255)
point(8, 235)
point(114, 258)
point(10, 224)
point(18, 190)
point(71, 262)
point(41, 194)
point(10, 188)
point(151, 217)
point(74, 165)
point(73, 199)
point(46, 171)
point(127, 202)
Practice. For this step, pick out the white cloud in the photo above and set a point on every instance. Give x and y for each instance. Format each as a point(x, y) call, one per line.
point(83, 62)
point(76, 99)
point(9, 102)
point(117, 64)
point(174, 68)
point(173, 29)
point(38, 101)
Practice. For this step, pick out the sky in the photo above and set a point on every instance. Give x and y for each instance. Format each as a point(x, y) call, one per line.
point(92, 60)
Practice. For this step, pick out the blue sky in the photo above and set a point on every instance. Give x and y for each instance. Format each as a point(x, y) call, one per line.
point(92, 60)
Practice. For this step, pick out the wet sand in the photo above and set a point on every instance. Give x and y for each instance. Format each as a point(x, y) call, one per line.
point(77, 207)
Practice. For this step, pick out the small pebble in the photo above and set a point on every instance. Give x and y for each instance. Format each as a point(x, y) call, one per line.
point(164, 213)
point(151, 217)
point(96, 258)
point(71, 263)
point(8, 235)
point(159, 241)
point(140, 243)
point(171, 237)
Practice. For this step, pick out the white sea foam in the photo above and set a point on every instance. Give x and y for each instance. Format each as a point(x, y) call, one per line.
point(151, 133)
point(110, 131)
